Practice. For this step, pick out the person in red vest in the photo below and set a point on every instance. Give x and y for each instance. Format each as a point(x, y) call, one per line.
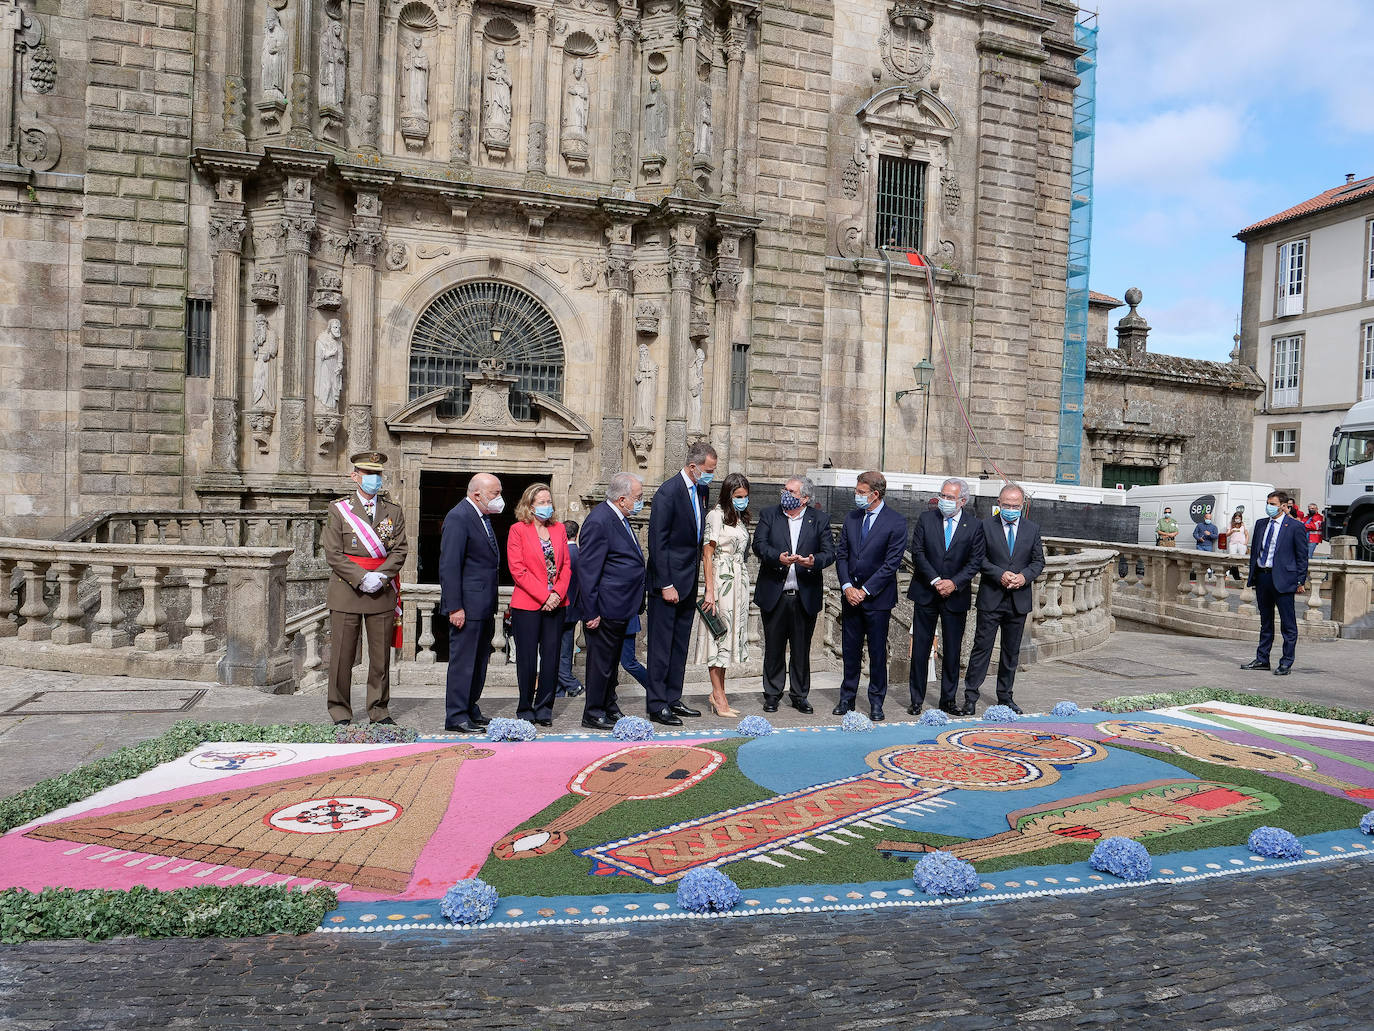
point(1315, 524)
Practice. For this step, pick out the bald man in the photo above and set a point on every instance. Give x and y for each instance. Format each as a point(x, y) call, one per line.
point(469, 560)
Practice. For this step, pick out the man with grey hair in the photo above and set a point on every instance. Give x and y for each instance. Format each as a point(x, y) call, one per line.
point(609, 592)
point(793, 544)
point(1012, 559)
point(946, 554)
point(677, 521)
point(469, 561)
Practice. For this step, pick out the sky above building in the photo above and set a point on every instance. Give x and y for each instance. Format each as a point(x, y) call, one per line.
point(1210, 117)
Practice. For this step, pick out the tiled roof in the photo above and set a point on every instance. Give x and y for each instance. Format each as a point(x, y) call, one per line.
point(1331, 198)
point(1096, 298)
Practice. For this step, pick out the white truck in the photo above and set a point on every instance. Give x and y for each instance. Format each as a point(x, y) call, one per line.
point(1188, 501)
point(1350, 479)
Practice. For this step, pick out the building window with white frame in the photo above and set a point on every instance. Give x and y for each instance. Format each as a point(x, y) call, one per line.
point(1283, 443)
point(1369, 260)
point(1285, 385)
point(1367, 361)
point(1291, 287)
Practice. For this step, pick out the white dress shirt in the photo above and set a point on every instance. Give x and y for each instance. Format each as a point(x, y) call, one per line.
point(945, 521)
point(794, 525)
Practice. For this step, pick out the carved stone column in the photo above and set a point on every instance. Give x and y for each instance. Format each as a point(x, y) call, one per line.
point(687, 96)
point(682, 265)
point(227, 226)
point(736, 39)
point(303, 51)
point(619, 346)
point(460, 128)
point(366, 236)
point(369, 89)
point(235, 86)
point(728, 277)
point(539, 127)
point(626, 87)
point(11, 21)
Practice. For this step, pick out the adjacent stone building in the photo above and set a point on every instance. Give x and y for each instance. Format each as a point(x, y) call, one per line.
point(243, 240)
point(1156, 418)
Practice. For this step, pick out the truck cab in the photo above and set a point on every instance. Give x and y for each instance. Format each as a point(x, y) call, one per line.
point(1350, 479)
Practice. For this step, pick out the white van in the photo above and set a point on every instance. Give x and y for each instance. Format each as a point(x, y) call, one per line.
point(1189, 500)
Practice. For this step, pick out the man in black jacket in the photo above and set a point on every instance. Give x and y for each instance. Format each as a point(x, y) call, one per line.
point(794, 545)
point(946, 553)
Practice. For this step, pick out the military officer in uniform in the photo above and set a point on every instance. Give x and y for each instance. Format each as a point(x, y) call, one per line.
point(365, 545)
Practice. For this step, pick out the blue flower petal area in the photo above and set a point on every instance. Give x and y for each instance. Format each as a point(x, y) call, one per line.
point(943, 873)
point(856, 723)
point(1000, 714)
point(1122, 857)
point(1274, 842)
point(1065, 709)
point(933, 718)
point(469, 901)
point(707, 890)
point(633, 728)
point(755, 726)
point(1367, 823)
point(503, 728)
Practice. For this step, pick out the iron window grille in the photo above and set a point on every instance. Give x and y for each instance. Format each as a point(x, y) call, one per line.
point(739, 377)
point(197, 337)
point(901, 204)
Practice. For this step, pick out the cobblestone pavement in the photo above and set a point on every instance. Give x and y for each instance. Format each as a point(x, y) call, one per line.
point(1250, 953)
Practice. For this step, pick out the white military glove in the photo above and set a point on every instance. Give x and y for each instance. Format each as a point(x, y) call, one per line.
point(373, 582)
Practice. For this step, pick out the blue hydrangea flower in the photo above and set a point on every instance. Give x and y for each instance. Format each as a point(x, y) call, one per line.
point(469, 901)
point(1000, 714)
point(755, 726)
point(503, 729)
point(1367, 823)
point(933, 718)
point(633, 728)
point(856, 723)
point(943, 873)
point(1274, 842)
point(707, 890)
point(1064, 709)
point(1122, 858)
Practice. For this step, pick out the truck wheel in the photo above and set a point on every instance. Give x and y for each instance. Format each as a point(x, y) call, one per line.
point(1362, 529)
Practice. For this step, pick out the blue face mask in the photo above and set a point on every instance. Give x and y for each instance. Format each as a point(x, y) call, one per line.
point(543, 511)
point(862, 500)
point(705, 479)
point(639, 507)
point(740, 503)
point(947, 507)
point(1011, 514)
point(790, 502)
point(1271, 510)
point(372, 483)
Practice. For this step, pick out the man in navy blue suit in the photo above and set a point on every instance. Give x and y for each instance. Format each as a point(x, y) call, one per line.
point(1278, 572)
point(946, 553)
point(610, 590)
point(867, 558)
point(1012, 560)
point(677, 522)
point(469, 558)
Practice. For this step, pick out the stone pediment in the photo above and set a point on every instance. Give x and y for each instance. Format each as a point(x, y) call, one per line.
point(488, 416)
point(899, 109)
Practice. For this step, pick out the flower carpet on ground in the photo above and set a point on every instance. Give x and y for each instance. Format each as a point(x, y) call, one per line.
point(588, 828)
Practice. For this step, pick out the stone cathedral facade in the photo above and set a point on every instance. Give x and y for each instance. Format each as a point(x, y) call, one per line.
point(547, 238)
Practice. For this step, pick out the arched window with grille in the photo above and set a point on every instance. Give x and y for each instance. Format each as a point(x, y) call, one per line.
point(490, 322)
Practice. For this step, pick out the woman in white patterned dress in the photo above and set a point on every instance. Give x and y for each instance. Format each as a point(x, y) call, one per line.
point(725, 553)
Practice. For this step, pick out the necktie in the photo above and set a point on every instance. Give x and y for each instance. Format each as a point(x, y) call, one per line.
point(949, 531)
point(696, 510)
point(491, 535)
point(631, 531)
point(868, 525)
point(1266, 556)
point(1011, 538)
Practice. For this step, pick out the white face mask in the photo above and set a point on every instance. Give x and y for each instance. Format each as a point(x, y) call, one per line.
point(496, 505)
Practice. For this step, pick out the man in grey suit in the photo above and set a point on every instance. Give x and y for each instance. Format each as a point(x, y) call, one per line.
point(1012, 559)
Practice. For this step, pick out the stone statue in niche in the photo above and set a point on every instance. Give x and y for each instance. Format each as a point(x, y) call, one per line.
point(696, 382)
point(415, 94)
point(273, 58)
point(646, 388)
point(333, 67)
point(264, 353)
point(655, 119)
point(576, 112)
point(329, 359)
point(704, 137)
point(496, 104)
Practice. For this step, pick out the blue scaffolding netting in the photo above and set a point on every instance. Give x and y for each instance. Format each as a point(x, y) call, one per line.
point(1070, 452)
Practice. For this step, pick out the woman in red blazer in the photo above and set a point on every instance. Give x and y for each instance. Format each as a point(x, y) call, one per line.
point(537, 552)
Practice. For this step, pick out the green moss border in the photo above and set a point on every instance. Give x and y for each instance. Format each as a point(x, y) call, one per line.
point(1197, 695)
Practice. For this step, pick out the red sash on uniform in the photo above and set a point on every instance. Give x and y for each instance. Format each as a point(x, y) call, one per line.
point(373, 543)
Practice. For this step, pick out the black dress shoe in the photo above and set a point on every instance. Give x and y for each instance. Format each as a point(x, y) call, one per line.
point(841, 709)
point(466, 727)
point(341, 723)
point(614, 714)
point(481, 721)
point(573, 692)
point(1013, 707)
point(666, 717)
point(1282, 670)
point(913, 710)
point(597, 723)
point(804, 707)
point(953, 710)
point(1255, 664)
point(385, 721)
point(876, 714)
point(542, 723)
point(969, 709)
point(770, 706)
point(683, 710)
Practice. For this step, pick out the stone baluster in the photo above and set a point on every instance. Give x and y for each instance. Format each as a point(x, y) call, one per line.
point(8, 626)
point(425, 645)
point(152, 617)
point(1220, 599)
point(67, 628)
point(314, 676)
point(1133, 579)
point(1050, 610)
point(1185, 586)
point(109, 617)
point(1314, 596)
point(1068, 596)
point(35, 608)
point(1199, 581)
point(197, 641)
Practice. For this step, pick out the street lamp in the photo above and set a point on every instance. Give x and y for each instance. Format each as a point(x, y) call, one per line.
point(924, 373)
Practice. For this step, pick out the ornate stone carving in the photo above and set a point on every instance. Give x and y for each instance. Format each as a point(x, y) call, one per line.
point(328, 290)
point(414, 118)
point(265, 288)
point(949, 193)
point(264, 370)
point(299, 231)
point(650, 278)
point(366, 244)
point(397, 256)
point(331, 244)
point(696, 384)
point(647, 318)
point(224, 440)
point(905, 42)
point(40, 147)
point(851, 179)
point(586, 273)
point(273, 63)
point(496, 105)
point(620, 155)
point(261, 425)
point(699, 327)
point(42, 68)
point(727, 280)
point(654, 155)
point(646, 389)
point(333, 72)
point(327, 426)
point(704, 140)
point(329, 362)
point(618, 273)
point(359, 427)
point(849, 240)
point(576, 114)
point(641, 443)
point(226, 232)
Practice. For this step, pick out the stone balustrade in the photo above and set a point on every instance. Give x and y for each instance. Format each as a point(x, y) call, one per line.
point(170, 611)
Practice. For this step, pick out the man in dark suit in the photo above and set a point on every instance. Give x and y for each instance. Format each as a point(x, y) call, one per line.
point(868, 557)
point(794, 545)
point(610, 590)
point(676, 523)
point(1012, 559)
point(1278, 572)
point(946, 553)
point(469, 558)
